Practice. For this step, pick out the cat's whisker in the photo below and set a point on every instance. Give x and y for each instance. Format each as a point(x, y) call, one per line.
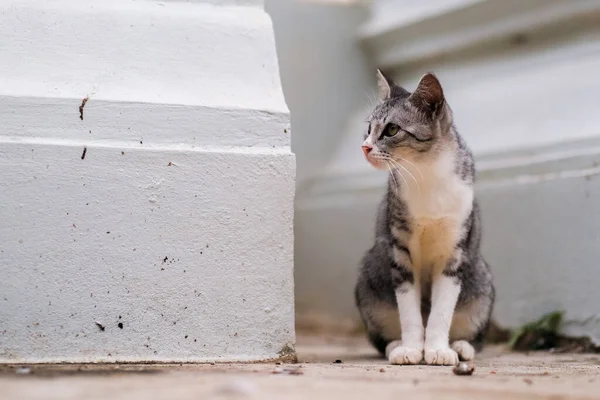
point(373, 98)
point(370, 100)
point(393, 177)
point(388, 166)
point(411, 175)
point(389, 159)
point(415, 167)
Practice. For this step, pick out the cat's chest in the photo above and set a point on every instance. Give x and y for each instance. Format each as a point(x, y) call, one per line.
point(438, 195)
point(432, 244)
point(438, 209)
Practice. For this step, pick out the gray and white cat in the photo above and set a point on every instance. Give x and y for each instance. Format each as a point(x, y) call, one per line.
point(424, 290)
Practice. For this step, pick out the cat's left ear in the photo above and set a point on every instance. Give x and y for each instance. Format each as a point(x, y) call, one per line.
point(428, 96)
point(387, 87)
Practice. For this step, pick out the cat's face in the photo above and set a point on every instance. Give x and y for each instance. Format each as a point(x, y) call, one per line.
point(406, 126)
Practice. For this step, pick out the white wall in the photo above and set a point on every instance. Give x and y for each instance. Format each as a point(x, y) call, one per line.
point(322, 69)
point(542, 238)
point(174, 232)
point(326, 77)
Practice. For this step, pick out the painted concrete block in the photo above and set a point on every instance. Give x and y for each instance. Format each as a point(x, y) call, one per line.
point(155, 225)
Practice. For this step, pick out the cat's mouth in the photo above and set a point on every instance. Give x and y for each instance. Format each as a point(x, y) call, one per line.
point(377, 161)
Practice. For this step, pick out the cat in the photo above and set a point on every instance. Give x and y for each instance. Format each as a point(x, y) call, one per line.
point(424, 291)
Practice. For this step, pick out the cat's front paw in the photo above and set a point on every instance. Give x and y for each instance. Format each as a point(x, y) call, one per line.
point(465, 351)
point(406, 356)
point(441, 356)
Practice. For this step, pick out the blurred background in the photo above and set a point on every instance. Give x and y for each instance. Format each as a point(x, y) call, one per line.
point(523, 79)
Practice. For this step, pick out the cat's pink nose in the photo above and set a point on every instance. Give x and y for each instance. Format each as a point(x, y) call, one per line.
point(367, 149)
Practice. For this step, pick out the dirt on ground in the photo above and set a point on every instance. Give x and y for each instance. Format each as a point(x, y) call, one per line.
point(329, 368)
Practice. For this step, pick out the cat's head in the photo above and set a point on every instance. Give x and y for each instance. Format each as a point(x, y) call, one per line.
point(411, 126)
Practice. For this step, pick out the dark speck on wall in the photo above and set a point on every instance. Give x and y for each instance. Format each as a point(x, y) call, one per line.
point(120, 325)
point(85, 100)
point(165, 259)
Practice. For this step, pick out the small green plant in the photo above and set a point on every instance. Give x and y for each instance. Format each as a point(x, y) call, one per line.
point(539, 335)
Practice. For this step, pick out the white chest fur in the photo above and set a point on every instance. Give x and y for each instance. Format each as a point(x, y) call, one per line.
point(439, 205)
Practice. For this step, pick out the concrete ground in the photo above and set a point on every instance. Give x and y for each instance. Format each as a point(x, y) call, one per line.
point(360, 375)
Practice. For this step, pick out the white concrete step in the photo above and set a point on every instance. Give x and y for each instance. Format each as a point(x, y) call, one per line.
point(158, 227)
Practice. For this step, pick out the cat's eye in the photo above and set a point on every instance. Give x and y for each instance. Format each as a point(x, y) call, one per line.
point(391, 130)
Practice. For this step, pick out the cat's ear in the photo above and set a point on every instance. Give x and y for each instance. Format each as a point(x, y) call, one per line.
point(384, 85)
point(387, 87)
point(428, 96)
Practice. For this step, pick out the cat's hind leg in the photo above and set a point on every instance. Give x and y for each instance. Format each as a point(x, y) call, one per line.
point(381, 319)
point(381, 322)
point(470, 323)
point(388, 300)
